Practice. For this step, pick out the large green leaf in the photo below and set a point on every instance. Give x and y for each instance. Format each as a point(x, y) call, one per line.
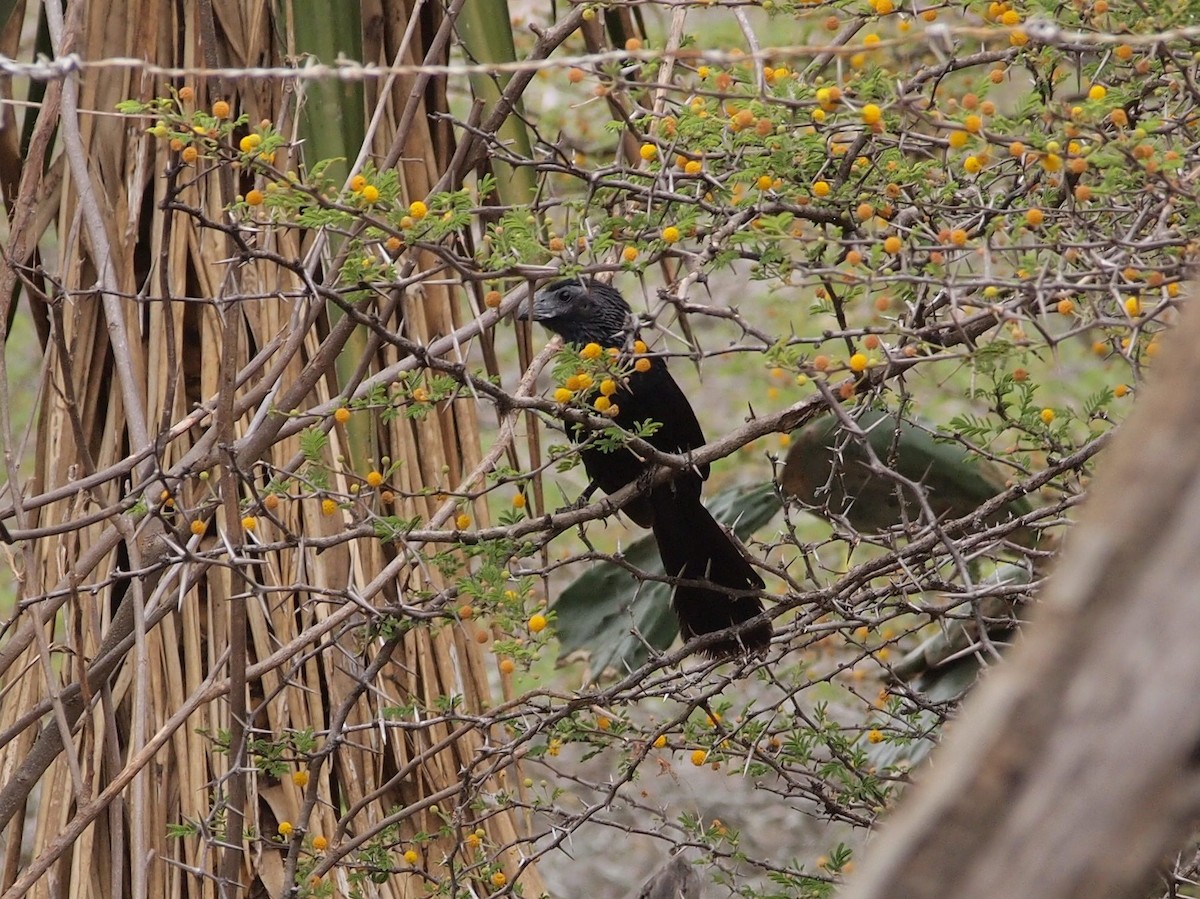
point(333, 126)
point(333, 120)
point(942, 669)
point(827, 469)
point(921, 665)
point(485, 29)
point(615, 618)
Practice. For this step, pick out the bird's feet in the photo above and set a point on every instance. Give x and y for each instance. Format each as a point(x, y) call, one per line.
point(584, 499)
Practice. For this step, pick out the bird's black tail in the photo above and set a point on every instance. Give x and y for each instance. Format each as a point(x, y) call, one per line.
point(694, 547)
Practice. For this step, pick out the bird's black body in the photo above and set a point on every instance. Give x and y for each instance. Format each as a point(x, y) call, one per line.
point(692, 545)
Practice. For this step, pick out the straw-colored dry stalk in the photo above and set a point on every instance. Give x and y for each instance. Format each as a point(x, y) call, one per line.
point(172, 364)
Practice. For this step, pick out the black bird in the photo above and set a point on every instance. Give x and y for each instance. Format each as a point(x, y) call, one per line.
point(691, 543)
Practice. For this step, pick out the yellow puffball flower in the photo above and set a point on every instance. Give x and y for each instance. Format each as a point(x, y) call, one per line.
point(872, 113)
point(602, 403)
point(537, 623)
point(285, 829)
point(249, 523)
point(411, 857)
point(499, 879)
point(648, 152)
point(958, 139)
point(858, 362)
point(357, 183)
point(608, 387)
point(660, 741)
point(670, 234)
point(972, 165)
point(1097, 92)
point(1010, 17)
point(1133, 306)
point(875, 736)
point(591, 351)
point(320, 844)
point(1047, 416)
point(699, 757)
point(248, 143)
point(328, 506)
point(370, 193)
point(300, 778)
point(417, 209)
point(197, 527)
point(562, 395)
point(821, 189)
point(518, 501)
point(374, 478)
point(463, 521)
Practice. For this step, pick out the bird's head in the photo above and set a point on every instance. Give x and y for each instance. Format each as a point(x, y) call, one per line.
point(583, 311)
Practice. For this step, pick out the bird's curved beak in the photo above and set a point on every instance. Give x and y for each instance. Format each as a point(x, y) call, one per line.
point(545, 306)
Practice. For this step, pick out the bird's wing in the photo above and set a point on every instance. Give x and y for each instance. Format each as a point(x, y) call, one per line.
point(655, 396)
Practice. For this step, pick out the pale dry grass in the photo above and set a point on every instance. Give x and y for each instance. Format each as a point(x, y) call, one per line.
point(169, 356)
